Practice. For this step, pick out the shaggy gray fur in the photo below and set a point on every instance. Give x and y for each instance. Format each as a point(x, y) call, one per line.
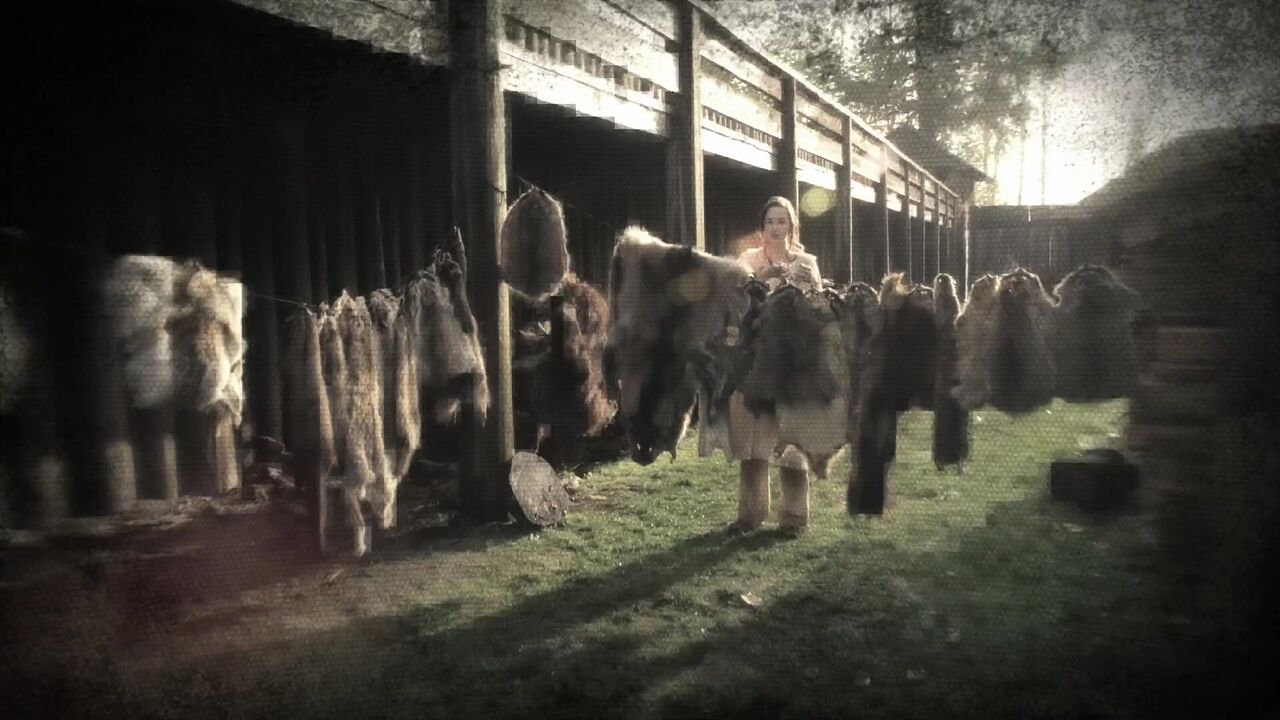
point(1092, 336)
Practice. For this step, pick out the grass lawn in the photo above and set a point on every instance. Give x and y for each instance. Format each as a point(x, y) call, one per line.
point(976, 595)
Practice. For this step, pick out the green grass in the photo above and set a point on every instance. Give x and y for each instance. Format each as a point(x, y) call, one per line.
point(976, 595)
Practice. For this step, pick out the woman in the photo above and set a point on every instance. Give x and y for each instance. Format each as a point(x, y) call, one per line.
point(779, 258)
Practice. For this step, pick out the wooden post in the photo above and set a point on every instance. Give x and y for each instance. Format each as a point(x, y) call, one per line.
point(902, 256)
point(937, 235)
point(686, 212)
point(883, 237)
point(788, 183)
point(846, 270)
point(477, 117)
point(964, 230)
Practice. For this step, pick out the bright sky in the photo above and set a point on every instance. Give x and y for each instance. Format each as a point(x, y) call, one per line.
point(1092, 119)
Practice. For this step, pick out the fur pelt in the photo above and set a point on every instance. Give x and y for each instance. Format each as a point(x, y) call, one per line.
point(859, 313)
point(15, 351)
point(791, 359)
point(445, 339)
point(208, 340)
point(139, 303)
point(1091, 336)
point(364, 458)
point(535, 253)
point(334, 365)
point(671, 304)
point(734, 355)
point(908, 340)
point(310, 435)
point(812, 402)
point(975, 327)
point(586, 330)
point(950, 421)
point(1021, 370)
point(384, 307)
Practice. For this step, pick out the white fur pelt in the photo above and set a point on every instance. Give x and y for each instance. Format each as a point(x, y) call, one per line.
point(139, 302)
point(670, 305)
point(15, 352)
point(334, 368)
point(208, 341)
point(364, 458)
point(535, 253)
point(384, 307)
point(303, 373)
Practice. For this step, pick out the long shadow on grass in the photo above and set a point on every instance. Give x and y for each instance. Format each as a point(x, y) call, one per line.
point(414, 664)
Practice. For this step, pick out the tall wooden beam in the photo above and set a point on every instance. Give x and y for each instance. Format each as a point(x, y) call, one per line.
point(477, 119)
point(788, 182)
point(845, 270)
point(686, 211)
point(884, 235)
point(935, 243)
point(902, 258)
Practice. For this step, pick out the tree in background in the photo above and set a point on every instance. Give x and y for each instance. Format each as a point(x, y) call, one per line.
point(975, 74)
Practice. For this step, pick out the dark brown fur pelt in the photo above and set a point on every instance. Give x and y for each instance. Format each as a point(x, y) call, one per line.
point(950, 421)
point(586, 330)
point(1021, 369)
point(364, 458)
point(535, 253)
point(908, 338)
point(859, 314)
point(790, 356)
point(309, 435)
point(670, 304)
point(1091, 336)
point(974, 328)
point(814, 415)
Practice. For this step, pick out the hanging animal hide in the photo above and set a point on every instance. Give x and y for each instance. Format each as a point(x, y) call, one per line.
point(334, 367)
point(813, 413)
point(139, 303)
point(950, 421)
point(384, 307)
point(208, 341)
point(1091, 336)
point(734, 354)
point(364, 460)
point(535, 253)
point(310, 435)
point(791, 355)
point(670, 305)
point(1021, 369)
point(909, 343)
point(975, 327)
point(445, 339)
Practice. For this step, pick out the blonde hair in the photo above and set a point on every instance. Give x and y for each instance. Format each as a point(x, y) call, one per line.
point(793, 238)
